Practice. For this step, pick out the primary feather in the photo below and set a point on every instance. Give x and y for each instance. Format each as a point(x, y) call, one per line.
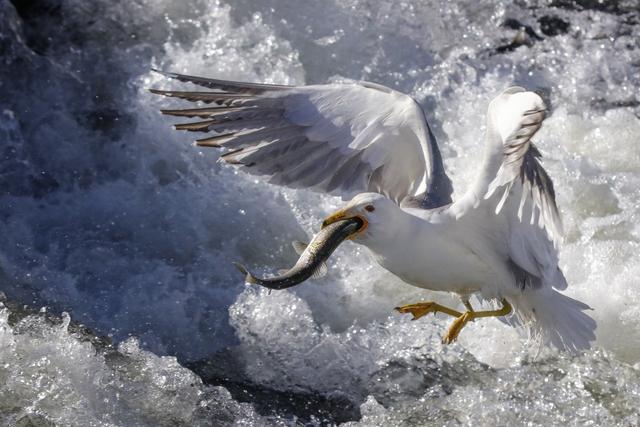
point(342, 139)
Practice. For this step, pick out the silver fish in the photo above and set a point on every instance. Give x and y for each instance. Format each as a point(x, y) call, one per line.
point(312, 257)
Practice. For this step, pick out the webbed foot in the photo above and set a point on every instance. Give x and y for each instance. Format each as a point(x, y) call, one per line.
point(469, 316)
point(423, 308)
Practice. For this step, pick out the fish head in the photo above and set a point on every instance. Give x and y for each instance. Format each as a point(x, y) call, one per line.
point(374, 210)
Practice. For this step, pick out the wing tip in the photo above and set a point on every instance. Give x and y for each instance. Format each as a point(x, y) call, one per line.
point(176, 113)
point(230, 157)
point(224, 85)
point(202, 126)
point(216, 141)
point(206, 143)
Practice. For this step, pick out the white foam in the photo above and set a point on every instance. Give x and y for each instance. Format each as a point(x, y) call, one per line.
point(50, 375)
point(133, 230)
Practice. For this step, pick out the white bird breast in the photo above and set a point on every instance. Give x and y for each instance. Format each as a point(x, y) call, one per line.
point(434, 257)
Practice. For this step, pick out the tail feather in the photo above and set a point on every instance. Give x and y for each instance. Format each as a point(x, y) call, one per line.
point(556, 319)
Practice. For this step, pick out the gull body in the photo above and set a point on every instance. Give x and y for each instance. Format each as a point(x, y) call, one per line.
point(372, 145)
point(429, 250)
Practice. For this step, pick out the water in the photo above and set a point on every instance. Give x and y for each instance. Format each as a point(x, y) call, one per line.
point(112, 217)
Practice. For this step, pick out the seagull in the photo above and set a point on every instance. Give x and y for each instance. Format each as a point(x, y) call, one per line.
point(372, 145)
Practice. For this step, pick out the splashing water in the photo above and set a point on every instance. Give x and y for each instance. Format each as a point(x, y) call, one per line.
point(109, 215)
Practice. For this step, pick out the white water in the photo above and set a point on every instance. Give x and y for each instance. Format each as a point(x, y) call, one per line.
point(110, 215)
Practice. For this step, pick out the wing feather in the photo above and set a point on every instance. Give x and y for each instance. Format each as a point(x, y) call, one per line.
point(342, 139)
point(520, 163)
point(514, 185)
point(224, 85)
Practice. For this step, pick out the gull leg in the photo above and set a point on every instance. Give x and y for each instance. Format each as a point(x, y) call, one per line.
point(461, 321)
point(422, 308)
point(465, 301)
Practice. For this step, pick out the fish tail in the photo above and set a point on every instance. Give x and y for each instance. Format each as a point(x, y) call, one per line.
point(248, 277)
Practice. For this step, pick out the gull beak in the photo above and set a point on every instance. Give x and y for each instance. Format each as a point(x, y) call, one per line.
point(345, 214)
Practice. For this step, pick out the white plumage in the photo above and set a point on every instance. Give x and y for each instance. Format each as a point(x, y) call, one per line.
point(369, 142)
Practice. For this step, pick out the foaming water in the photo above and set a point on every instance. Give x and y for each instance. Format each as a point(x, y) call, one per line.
point(51, 373)
point(109, 215)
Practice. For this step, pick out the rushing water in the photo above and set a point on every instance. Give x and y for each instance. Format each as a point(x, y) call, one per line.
point(107, 214)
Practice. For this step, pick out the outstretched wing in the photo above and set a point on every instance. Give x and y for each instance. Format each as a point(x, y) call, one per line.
point(341, 139)
point(513, 184)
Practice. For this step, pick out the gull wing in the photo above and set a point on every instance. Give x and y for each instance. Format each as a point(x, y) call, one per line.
point(341, 139)
point(513, 184)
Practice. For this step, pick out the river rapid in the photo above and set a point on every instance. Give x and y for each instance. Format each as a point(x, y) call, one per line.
point(120, 305)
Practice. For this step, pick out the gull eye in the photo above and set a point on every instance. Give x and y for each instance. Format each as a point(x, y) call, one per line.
point(369, 208)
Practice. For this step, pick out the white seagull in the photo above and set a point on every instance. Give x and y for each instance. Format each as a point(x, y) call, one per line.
point(371, 144)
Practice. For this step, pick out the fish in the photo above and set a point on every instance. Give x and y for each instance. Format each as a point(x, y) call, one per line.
point(313, 256)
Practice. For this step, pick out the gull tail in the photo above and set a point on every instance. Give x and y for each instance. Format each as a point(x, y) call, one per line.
point(556, 319)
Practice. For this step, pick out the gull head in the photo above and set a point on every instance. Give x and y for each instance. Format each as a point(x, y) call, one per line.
point(375, 211)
